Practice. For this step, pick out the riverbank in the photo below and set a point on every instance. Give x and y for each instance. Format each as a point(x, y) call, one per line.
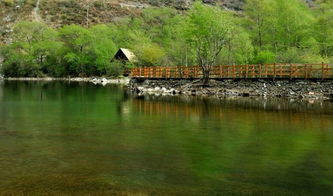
point(96, 80)
point(296, 89)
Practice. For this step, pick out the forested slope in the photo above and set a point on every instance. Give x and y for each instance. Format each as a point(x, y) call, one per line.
point(67, 37)
point(61, 12)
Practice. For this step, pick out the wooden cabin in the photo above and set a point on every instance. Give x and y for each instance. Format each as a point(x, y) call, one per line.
point(125, 55)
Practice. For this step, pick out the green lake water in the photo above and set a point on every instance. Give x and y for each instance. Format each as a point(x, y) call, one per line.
point(60, 138)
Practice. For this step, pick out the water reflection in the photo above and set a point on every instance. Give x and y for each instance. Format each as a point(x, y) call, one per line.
point(80, 139)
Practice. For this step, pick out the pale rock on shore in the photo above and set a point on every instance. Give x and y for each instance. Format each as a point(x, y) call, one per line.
point(94, 80)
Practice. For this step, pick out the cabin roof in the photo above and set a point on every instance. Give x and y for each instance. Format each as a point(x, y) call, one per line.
point(129, 55)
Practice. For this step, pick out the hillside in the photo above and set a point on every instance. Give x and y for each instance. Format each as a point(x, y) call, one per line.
point(60, 12)
point(57, 13)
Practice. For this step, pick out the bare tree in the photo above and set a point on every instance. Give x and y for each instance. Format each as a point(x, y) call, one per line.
point(87, 6)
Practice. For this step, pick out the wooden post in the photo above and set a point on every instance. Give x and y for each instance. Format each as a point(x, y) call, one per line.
point(246, 70)
point(233, 71)
point(149, 72)
point(260, 70)
point(322, 70)
point(274, 70)
point(291, 71)
point(252, 70)
point(221, 71)
point(280, 71)
point(306, 71)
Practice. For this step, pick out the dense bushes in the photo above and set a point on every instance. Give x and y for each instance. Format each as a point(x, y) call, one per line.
point(268, 31)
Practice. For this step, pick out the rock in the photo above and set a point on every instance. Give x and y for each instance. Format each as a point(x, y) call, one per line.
point(330, 96)
point(245, 88)
point(244, 94)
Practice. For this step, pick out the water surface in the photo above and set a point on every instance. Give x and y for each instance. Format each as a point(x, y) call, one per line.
point(59, 138)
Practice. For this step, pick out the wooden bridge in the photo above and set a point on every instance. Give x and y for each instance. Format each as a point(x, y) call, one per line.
point(261, 71)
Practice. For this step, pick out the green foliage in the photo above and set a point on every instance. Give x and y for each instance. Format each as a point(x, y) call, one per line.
point(208, 29)
point(103, 47)
point(284, 27)
point(238, 50)
point(281, 31)
point(150, 54)
point(264, 57)
point(115, 69)
point(18, 63)
point(8, 2)
point(34, 42)
point(324, 27)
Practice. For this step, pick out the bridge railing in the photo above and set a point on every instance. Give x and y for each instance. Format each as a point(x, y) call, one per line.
point(276, 70)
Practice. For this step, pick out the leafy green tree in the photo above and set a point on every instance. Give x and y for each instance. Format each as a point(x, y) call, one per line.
point(280, 26)
point(78, 43)
point(165, 27)
point(150, 54)
point(265, 56)
point(103, 47)
point(324, 27)
point(291, 23)
point(33, 43)
point(238, 50)
point(256, 13)
point(208, 30)
point(18, 62)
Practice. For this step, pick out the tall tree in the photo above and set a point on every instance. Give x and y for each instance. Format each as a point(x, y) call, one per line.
point(281, 26)
point(324, 27)
point(78, 42)
point(256, 12)
point(33, 42)
point(208, 30)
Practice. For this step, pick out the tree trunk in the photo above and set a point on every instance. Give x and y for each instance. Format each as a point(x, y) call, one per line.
point(205, 72)
point(87, 16)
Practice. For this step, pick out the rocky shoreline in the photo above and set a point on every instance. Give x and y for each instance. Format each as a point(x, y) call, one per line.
point(295, 89)
point(94, 80)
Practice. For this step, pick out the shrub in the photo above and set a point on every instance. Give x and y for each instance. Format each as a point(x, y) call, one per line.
point(291, 55)
point(265, 57)
point(150, 54)
point(115, 69)
point(8, 2)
